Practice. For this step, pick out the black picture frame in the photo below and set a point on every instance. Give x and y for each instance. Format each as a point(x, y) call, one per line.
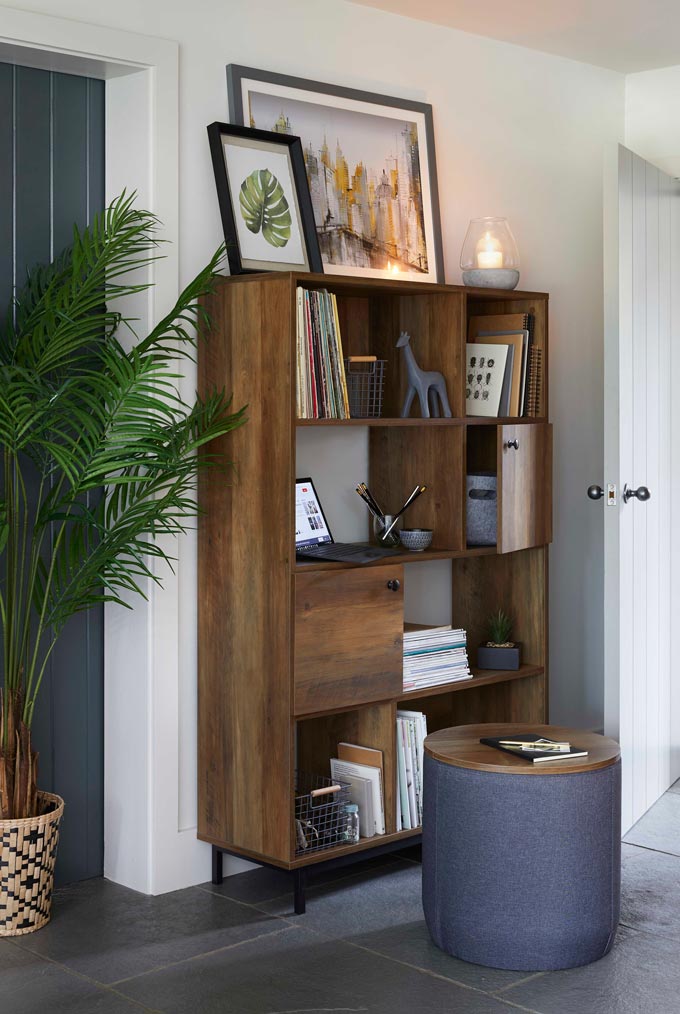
point(238, 264)
point(236, 74)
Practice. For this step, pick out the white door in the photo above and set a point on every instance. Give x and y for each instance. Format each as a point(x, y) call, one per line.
point(642, 439)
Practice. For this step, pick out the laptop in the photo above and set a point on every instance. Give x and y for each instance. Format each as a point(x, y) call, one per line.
point(313, 539)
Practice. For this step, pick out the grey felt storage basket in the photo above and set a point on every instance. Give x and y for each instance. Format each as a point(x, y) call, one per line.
point(482, 508)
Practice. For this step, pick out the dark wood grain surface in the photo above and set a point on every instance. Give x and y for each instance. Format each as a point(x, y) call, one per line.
point(295, 657)
point(348, 637)
point(524, 486)
point(402, 458)
point(461, 748)
point(245, 606)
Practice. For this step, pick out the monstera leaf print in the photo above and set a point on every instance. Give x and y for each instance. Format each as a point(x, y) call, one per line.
point(264, 207)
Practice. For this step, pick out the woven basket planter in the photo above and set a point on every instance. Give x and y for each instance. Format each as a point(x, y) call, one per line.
point(28, 850)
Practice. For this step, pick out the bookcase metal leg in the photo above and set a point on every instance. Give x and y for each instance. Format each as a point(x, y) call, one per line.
point(299, 885)
point(217, 876)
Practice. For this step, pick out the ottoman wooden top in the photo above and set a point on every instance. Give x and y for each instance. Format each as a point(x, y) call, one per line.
point(461, 748)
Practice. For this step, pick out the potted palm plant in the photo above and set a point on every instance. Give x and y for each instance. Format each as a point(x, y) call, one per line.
point(99, 463)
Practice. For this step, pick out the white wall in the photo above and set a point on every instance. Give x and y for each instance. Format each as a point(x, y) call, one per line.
point(518, 133)
point(652, 117)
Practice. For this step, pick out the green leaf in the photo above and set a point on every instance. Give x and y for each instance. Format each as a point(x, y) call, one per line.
point(99, 445)
point(264, 207)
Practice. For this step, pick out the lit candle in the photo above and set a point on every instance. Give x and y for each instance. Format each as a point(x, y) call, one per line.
point(489, 259)
point(489, 254)
point(392, 268)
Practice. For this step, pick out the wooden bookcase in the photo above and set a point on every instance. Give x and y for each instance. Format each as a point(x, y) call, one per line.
point(294, 657)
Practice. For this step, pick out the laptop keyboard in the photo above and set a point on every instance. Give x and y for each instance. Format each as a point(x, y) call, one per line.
point(346, 552)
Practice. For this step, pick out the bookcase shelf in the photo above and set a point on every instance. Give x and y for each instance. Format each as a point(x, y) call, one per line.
point(295, 657)
point(481, 678)
point(303, 566)
point(465, 421)
point(364, 845)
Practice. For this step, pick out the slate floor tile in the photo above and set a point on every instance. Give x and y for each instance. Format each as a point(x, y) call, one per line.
point(660, 826)
point(410, 943)
point(630, 852)
point(109, 932)
point(382, 911)
point(384, 914)
point(29, 984)
point(265, 884)
point(641, 975)
point(294, 970)
point(372, 900)
point(650, 893)
point(12, 957)
point(675, 787)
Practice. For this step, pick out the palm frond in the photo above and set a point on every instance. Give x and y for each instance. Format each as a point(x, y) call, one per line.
point(88, 414)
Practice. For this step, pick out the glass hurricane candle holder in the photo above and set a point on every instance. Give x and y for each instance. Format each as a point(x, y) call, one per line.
point(489, 257)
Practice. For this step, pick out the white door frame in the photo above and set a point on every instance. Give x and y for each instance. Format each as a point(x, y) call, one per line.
point(144, 846)
point(642, 589)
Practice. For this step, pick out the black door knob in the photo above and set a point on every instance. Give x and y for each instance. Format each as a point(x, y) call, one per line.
point(595, 492)
point(513, 443)
point(394, 585)
point(641, 493)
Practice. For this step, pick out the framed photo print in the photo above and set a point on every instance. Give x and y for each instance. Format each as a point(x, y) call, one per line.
point(264, 200)
point(370, 165)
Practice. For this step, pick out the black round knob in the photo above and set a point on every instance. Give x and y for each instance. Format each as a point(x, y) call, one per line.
point(513, 443)
point(394, 585)
point(641, 493)
point(595, 492)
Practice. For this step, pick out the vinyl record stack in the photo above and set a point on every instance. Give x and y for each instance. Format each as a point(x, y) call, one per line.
point(320, 381)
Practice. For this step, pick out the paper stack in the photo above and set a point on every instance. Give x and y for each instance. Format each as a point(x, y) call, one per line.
point(434, 655)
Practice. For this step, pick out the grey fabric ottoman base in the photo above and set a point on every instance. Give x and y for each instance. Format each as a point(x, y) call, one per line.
point(522, 872)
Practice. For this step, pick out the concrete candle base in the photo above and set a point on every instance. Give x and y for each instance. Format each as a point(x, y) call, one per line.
point(491, 278)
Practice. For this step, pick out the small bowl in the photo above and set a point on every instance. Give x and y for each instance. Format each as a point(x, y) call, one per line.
point(416, 539)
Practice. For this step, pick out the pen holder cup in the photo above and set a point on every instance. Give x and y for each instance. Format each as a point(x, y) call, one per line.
point(379, 529)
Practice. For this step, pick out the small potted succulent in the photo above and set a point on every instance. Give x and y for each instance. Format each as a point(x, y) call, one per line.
point(500, 651)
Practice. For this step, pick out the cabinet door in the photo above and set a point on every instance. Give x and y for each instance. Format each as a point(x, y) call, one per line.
point(348, 637)
point(524, 486)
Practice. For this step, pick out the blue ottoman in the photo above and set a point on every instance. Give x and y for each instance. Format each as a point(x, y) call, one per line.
point(521, 862)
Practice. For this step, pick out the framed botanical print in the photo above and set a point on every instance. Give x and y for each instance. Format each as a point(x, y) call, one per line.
point(264, 200)
point(370, 164)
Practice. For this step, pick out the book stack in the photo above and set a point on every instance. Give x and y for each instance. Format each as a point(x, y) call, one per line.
point(411, 733)
point(434, 655)
point(362, 768)
point(535, 749)
point(321, 384)
point(503, 366)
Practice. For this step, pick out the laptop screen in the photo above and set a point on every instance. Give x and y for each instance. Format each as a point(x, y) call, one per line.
point(311, 527)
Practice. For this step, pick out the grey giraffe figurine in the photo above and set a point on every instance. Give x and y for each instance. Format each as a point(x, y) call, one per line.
point(427, 385)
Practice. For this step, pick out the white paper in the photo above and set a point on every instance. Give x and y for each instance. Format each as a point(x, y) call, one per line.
point(484, 374)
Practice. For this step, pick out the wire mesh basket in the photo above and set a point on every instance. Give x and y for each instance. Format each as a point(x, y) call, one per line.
point(365, 385)
point(320, 818)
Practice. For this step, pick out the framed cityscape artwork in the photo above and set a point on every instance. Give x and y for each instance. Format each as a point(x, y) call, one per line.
point(370, 165)
point(264, 200)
